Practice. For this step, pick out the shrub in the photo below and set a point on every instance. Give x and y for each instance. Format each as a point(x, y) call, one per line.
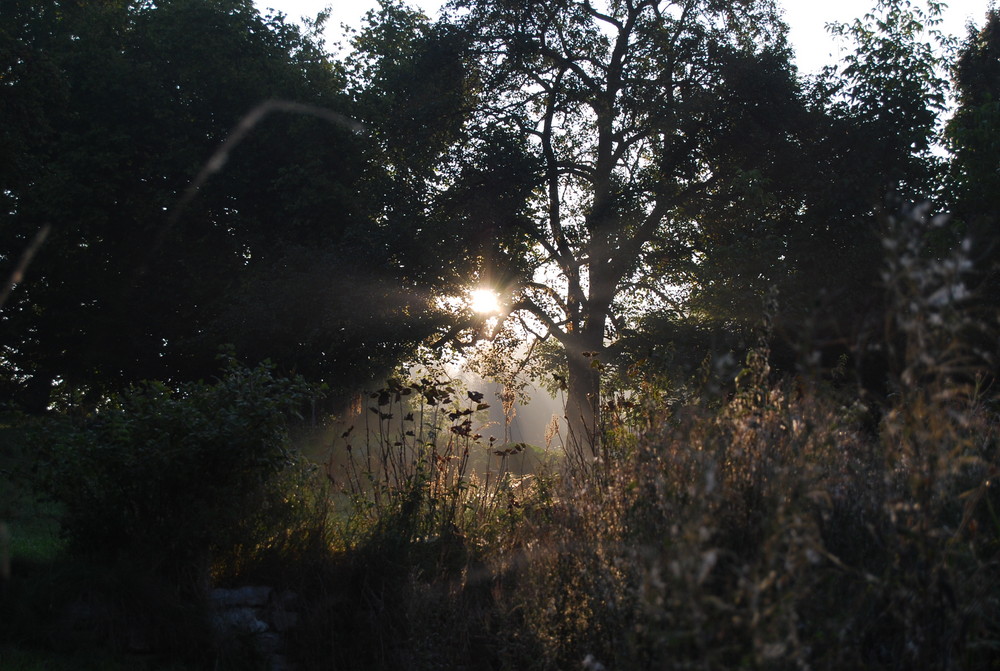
point(168, 477)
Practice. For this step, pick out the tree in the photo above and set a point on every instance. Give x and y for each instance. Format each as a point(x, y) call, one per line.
point(858, 144)
point(110, 111)
point(973, 135)
point(618, 119)
point(413, 89)
point(875, 146)
point(894, 86)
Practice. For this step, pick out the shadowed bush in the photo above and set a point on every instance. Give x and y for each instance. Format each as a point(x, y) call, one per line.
point(164, 492)
point(168, 478)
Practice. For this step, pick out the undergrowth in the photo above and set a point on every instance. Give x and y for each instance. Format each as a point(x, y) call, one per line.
point(778, 527)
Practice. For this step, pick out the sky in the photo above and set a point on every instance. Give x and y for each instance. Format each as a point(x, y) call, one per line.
point(807, 19)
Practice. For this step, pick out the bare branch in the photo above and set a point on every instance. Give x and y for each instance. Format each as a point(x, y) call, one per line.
point(532, 308)
point(552, 293)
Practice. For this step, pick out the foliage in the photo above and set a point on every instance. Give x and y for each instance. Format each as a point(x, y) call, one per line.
point(176, 478)
point(776, 528)
point(453, 219)
point(641, 181)
point(345, 323)
point(972, 137)
point(416, 523)
point(867, 129)
point(976, 73)
point(421, 465)
point(895, 83)
point(597, 140)
point(107, 156)
point(760, 522)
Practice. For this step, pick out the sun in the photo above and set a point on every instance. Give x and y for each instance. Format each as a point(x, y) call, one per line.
point(485, 301)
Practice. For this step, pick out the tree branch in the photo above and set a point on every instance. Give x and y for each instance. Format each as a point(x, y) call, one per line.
point(544, 288)
point(534, 309)
point(601, 16)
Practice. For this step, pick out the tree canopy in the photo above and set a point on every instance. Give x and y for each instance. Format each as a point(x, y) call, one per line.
point(623, 120)
point(622, 173)
point(972, 135)
point(110, 112)
point(666, 157)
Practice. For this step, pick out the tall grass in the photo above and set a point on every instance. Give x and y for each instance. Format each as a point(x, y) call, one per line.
point(429, 500)
point(777, 531)
point(778, 528)
point(417, 452)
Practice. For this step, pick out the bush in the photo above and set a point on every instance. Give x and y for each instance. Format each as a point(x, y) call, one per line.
point(168, 477)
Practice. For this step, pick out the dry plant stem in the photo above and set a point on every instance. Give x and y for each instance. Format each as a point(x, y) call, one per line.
point(421, 439)
point(22, 265)
point(218, 160)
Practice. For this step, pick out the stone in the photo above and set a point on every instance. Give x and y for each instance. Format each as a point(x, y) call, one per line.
point(286, 599)
point(254, 596)
point(279, 663)
point(242, 620)
point(259, 612)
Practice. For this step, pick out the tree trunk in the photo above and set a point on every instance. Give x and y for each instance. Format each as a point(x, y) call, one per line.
point(582, 401)
point(583, 398)
point(583, 350)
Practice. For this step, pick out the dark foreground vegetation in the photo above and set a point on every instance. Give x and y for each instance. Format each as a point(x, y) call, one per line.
point(771, 527)
point(780, 441)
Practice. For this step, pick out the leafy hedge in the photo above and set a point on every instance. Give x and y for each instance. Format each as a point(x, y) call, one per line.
point(172, 476)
